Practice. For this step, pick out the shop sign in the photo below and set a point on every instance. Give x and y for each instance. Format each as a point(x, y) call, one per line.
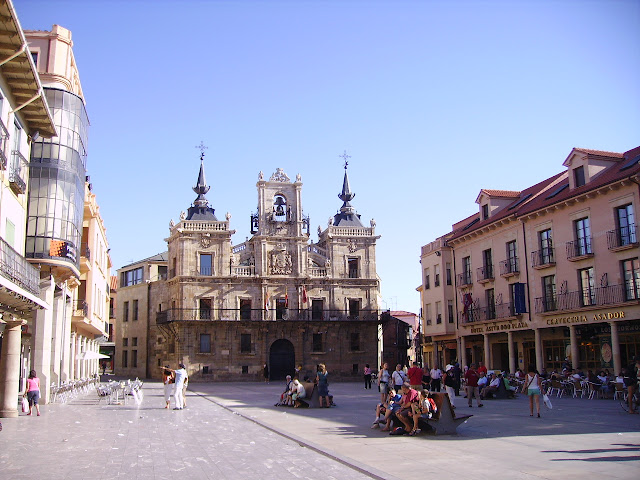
point(499, 327)
point(596, 317)
point(622, 328)
point(606, 353)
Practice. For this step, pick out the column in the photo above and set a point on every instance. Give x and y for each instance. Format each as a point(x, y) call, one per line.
point(10, 368)
point(487, 353)
point(78, 372)
point(41, 340)
point(83, 363)
point(575, 353)
point(72, 356)
point(615, 347)
point(463, 353)
point(539, 357)
point(512, 353)
point(67, 367)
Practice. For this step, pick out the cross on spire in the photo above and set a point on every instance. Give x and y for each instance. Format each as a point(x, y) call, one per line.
point(202, 149)
point(345, 157)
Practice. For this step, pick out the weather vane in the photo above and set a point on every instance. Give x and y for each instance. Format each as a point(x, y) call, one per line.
point(202, 149)
point(345, 157)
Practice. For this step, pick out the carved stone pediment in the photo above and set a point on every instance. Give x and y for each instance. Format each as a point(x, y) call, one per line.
point(279, 176)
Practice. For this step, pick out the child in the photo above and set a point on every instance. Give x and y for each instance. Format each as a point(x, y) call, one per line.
point(393, 407)
point(425, 406)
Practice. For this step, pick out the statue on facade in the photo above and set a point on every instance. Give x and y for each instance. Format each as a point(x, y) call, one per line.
point(261, 176)
point(183, 215)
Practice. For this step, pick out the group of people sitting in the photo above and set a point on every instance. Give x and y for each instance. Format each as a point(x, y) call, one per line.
point(492, 384)
point(295, 392)
point(407, 406)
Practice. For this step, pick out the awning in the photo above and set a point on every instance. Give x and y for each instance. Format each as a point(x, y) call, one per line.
point(91, 356)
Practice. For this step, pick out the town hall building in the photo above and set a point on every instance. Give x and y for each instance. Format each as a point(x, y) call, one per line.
point(278, 298)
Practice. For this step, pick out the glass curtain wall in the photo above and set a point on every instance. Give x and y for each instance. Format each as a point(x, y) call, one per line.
point(57, 177)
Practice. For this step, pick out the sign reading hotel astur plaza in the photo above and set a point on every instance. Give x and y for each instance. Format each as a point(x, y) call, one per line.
point(586, 318)
point(499, 327)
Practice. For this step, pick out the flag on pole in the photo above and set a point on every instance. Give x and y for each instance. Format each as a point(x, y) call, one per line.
point(304, 294)
point(267, 302)
point(286, 300)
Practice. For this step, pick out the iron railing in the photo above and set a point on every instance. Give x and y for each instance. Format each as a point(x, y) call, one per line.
point(542, 257)
point(15, 267)
point(490, 312)
point(80, 308)
point(610, 295)
point(464, 278)
point(4, 136)
point(17, 172)
point(238, 314)
point(485, 273)
point(622, 237)
point(509, 266)
point(579, 248)
point(85, 251)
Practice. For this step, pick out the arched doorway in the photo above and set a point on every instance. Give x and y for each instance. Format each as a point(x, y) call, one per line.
point(281, 359)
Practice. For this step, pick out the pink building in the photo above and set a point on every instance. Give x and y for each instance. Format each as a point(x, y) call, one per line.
point(543, 276)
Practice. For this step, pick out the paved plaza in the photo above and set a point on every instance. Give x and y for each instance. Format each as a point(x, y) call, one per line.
point(232, 430)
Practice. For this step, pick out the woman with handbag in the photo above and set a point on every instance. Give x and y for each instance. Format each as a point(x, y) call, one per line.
point(533, 388)
point(33, 392)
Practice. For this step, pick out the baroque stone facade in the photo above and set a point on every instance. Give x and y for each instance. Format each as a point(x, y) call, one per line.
point(225, 310)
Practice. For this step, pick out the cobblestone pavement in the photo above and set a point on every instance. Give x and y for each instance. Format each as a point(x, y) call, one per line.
point(87, 440)
point(232, 430)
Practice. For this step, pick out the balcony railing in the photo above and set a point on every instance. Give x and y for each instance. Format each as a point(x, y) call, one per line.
point(80, 308)
point(485, 273)
point(85, 251)
point(491, 312)
point(289, 314)
point(18, 172)
point(623, 237)
point(244, 270)
point(465, 278)
point(509, 267)
point(4, 136)
point(610, 295)
point(15, 267)
point(579, 248)
point(543, 258)
point(318, 272)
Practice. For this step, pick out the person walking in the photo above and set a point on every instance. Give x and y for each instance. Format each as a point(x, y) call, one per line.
point(265, 372)
point(533, 387)
point(457, 375)
point(449, 384)
point(436, 375)
point(167, 381)
point(33, 392)
point(367, 377)
point(471, 376)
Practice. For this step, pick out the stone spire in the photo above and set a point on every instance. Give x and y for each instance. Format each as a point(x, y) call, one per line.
point(200, 209)
point(347, 217)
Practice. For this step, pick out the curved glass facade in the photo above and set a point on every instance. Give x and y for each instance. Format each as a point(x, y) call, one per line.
point(57, 171)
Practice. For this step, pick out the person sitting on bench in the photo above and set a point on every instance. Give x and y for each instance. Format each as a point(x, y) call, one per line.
point(388, 408)
point(425, 406)
point(298, 393)
point(409, 397)
point(285, 397)
point(492, 387)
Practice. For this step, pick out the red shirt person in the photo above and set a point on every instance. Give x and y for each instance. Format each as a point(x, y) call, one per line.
point(471, 376)
point(409, 396)
point(415, 376)
point(482, 368)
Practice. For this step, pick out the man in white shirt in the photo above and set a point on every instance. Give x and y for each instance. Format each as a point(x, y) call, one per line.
point(492, 387)
point(436, 375)
point(181, 375)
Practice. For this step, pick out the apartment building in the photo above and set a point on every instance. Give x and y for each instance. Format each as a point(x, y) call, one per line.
point(24, 116)
point(550, 274)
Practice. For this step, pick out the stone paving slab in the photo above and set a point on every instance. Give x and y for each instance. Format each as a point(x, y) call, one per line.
point(578, 436)
point(85, 439)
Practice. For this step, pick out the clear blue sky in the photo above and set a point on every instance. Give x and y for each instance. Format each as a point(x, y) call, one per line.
point(433, 101)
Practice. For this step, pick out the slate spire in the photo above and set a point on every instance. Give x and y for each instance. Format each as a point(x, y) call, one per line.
point(200, 209)
point(347, 216)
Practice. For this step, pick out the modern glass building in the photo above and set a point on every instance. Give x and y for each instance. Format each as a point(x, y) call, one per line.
point(57, 172)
